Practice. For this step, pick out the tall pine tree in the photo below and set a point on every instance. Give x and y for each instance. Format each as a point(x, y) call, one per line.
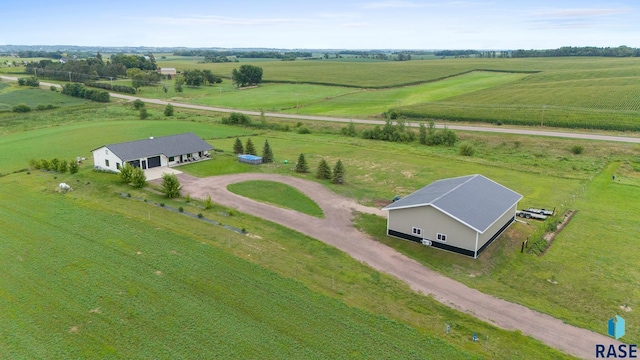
point(249, 148)
point(267, 154)
point(237, 147)
point(324, 171)
point(301, 165)
point(338, 173)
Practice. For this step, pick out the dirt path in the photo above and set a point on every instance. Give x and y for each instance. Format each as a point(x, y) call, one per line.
point(336, 230)
point(492, 129)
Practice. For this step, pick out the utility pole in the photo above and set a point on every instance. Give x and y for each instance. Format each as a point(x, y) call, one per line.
point(111, 79)
point(542, 118)
point(69, 76)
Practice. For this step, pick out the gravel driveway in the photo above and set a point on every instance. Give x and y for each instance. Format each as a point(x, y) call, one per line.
point(336, 230)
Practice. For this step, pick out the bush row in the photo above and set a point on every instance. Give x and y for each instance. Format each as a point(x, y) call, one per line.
point(55, 164)
point(79, 90)
point(117, 88)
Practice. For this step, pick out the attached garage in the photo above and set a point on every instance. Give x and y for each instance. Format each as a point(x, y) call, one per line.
point(462, 215)
point(153, 162)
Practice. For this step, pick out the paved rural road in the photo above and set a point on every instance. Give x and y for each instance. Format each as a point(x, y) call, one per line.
point(336, 230)
point(502, 130)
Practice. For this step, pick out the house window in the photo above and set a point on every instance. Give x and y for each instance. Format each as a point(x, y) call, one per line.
point(416, 231)
point(442, 237)
point(171, 158)
point(106, 151)
point(118, 165)
point(106, 162)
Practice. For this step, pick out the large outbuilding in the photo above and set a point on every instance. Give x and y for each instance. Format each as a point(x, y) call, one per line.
point(463, 215)
point(152, 152)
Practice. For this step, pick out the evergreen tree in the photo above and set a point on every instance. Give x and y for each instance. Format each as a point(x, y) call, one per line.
point(324, 171)
point(238, 148)
point(250, 149)
point(338, 173)
point(267, 154)
point(301, 165)
point(168, 110)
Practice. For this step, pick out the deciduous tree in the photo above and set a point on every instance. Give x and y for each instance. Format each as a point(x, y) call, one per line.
point(170, 185)
point(247, 75)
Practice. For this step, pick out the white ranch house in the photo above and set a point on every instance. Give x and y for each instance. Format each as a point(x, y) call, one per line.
point(462, 215)
point(153, 152)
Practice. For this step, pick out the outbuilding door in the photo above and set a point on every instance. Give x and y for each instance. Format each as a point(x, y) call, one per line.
point(153, 162)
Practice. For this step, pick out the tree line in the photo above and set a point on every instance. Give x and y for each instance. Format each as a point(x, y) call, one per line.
point(620, 51)
point(242, 53)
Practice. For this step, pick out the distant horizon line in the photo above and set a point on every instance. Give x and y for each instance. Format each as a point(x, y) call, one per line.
point(145, 47)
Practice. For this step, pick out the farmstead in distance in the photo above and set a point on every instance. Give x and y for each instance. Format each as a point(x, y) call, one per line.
point(463, 215)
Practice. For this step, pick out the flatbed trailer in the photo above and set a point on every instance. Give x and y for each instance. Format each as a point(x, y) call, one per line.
point(541, 211)
point(530, 215)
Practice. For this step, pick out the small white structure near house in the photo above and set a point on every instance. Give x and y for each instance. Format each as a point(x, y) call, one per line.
point(153, 152)
point(463, 215)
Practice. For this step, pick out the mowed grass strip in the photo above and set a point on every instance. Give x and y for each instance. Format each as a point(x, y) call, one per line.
point(89, 283)
point(10, 97)
point(278, 194)
point(106, 276)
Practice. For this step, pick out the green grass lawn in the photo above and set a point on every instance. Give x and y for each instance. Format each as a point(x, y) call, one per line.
point(277, 194)
point(107, 276)
point(10, 96)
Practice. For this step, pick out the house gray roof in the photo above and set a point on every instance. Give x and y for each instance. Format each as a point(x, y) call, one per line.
point(473, 200)
point(172, 145)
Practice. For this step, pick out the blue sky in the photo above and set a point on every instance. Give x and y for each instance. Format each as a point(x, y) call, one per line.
point(328, 24)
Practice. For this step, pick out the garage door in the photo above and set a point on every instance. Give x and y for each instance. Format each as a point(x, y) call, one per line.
point(153, 162)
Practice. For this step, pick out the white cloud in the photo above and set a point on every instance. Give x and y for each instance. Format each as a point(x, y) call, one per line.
point(354, 25)
point(564, 13)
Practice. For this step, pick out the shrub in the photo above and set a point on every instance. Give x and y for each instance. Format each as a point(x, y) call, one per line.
point(53, 164)
point(236, 118)
point(63, 166)
point(53, 88)
point(30, 81)
point(466, 149)
point(44, 164)
point(208, 204)
point(144, 113)
point(301, 165)
point(161, 204)
point(200, 216)
point(338, 173)
point(181, 209)
point(350, 130)
point(21, 108)
point(138, 178)
point(126, 173)
point(35, 164)
point(138, 104)
point(73, 167)
point(577, 149)
point(304, 130)
point(168, 110)
point(324, 171)
point(188, 198)
point(41, 107)
point(170, 185)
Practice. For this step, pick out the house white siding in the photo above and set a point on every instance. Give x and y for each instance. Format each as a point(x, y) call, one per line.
point(104, 159)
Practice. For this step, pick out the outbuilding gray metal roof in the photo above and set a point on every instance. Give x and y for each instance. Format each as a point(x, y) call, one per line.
point(474, 200)
point(172, 145)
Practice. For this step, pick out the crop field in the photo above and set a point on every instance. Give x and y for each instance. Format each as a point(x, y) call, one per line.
point(575, 92)
point(167, 285)
point(277, 194)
